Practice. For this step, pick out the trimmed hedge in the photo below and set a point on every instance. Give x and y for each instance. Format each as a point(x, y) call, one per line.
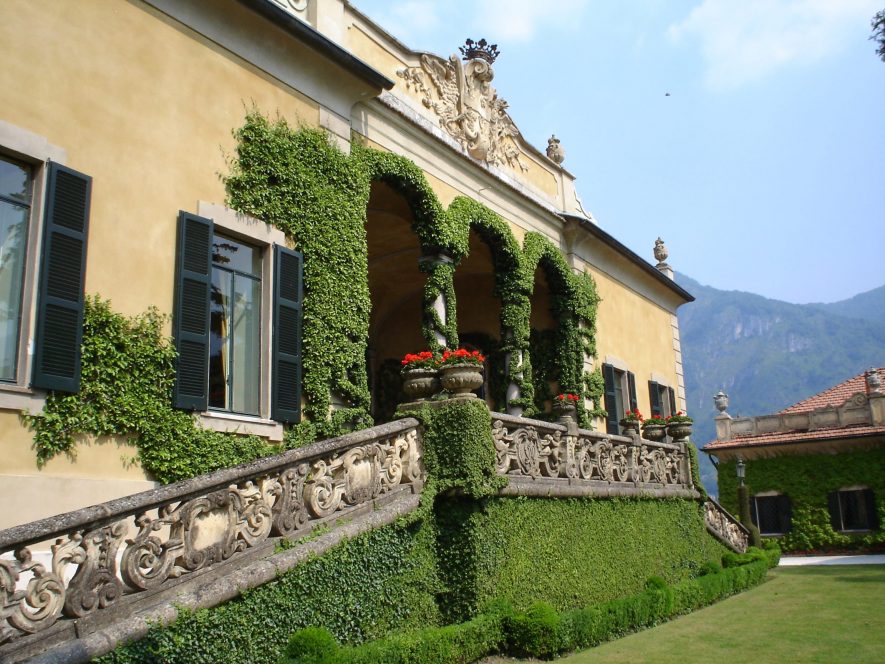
point(565, 551)
point(540, 631)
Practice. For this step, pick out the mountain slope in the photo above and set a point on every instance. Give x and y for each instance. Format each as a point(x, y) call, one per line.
point(869, 305)
point(766, 354)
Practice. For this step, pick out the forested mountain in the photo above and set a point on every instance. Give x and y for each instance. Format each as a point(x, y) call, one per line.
point(767, 354)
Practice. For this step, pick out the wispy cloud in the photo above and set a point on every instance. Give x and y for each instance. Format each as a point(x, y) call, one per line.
point(746, 40)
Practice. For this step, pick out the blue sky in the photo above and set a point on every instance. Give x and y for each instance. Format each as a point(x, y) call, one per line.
point(764, 170)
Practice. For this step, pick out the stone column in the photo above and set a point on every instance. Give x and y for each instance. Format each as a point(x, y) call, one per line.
point(513, 391)
point(430, 264)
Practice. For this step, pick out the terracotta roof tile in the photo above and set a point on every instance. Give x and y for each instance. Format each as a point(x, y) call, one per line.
point(796, 436)
point(834, 396)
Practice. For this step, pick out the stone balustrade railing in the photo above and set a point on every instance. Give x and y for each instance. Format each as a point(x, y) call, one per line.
point(572, 461)
point(857, 410)
point(133, 547)
point(724, 527)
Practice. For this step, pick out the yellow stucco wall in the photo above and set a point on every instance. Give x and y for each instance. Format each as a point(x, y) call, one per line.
point(144, 106)
point(635, 330)
point(147, 108)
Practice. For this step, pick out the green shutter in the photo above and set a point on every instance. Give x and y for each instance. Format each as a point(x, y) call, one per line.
point(611, 404)
point(59, 320)
point(673, 407)
point(872, 516)
point(654, 398)
point(631, 388)
point(190, 314)
point(835, 512)
point(785, 513)
point(286, 356)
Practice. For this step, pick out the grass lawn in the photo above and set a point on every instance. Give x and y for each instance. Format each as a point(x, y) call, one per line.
point(802, 614)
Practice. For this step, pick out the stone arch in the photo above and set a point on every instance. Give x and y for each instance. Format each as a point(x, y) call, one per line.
point(556, 353)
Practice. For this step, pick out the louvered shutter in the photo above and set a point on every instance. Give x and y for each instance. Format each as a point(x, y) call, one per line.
point(190, 315)
point(286, 355)
point(654, 398)
point(869, 499)
point(631, 388)
point(611, 404)
point(833, 506)
point(59, 320)
point(673, 408)
point(785, 513)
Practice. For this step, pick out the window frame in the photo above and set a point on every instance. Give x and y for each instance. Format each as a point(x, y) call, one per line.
point(871, 519)
point(35, 151)
point(624, 384)
point(780, 497)
point(262, 236)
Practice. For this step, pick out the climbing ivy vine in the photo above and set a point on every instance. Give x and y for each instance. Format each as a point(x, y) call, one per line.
point(298, 181)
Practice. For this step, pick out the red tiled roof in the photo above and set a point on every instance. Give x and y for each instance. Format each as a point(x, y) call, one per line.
point(834, 396)
point(796, 436)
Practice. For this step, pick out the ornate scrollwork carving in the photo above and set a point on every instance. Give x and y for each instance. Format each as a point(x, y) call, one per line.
point(526, 450)
point(725, 527)
point(468, 107)
point(36, 607)
point(188, 534)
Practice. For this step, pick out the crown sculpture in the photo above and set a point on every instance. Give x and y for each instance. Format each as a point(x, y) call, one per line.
point(481, 49)
point(468, 107)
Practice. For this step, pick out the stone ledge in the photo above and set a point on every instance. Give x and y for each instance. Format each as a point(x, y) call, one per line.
point(201, 594)
point(565, 488)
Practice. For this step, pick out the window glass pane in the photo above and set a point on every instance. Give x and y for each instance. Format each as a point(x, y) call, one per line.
point(219, 337)
point(854, 510)
point(233, 255)
point(767, 514)
point(619, 394)
point(246, 344)
point(13, 242)
point(15, 181)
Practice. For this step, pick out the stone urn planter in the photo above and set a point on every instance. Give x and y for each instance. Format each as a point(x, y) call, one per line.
point(565, 410)
point(461, 379)
point(420, 384)
point(679, 431)
point(654, 432)
point(629, 426)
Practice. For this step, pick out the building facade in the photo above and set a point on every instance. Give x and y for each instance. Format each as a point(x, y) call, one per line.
point(139, 175)
point(815, 470)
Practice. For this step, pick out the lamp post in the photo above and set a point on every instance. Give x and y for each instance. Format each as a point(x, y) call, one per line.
point(744, 503)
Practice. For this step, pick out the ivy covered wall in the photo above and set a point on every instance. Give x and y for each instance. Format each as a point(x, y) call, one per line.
point(807, 479)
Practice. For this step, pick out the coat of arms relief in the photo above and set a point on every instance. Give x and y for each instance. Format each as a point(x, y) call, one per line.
point(469, 108)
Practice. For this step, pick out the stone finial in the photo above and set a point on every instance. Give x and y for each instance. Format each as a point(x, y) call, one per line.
point(721, 401)
point(660, 251)
point(554, 150)
point(874, 382)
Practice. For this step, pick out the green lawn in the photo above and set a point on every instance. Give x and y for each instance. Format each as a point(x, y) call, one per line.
point(802, 614)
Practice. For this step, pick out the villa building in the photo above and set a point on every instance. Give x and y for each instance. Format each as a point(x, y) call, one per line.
point(815, 470)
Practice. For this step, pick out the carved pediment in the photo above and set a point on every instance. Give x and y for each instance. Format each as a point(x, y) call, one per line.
point(468, 107)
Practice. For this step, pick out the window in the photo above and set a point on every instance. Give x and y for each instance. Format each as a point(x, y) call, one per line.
point(772, 514)
point(15, 210)
point(853, 510)
point(662, 399)
point(235, 327)
point(620, 395)
point(44, 219)
point(237, 322)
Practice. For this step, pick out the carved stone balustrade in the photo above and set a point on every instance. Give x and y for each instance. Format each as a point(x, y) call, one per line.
point(725, 527)
point(542, 458)
point(108, 556)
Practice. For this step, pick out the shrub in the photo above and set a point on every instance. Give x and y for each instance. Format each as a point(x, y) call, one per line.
point(536, 633)
point(312, 645)
point(710, 567)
